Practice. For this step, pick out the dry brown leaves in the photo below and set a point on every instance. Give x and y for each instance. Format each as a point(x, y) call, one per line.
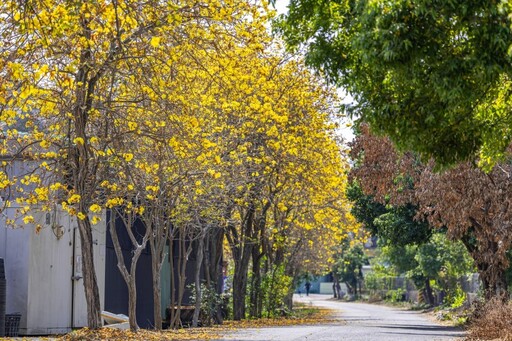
point(492, 322)
point(203, 333)
point(318, 316)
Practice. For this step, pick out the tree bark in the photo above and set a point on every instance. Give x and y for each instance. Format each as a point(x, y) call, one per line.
point(214, 274)
point(197, 281)
point(157, 241)
point(130, 276)
point(255, 295)
point(157, 293)
point(240, 285)
point(428, 293)
point(184, 253)
point(92, 295)
point(241, 248)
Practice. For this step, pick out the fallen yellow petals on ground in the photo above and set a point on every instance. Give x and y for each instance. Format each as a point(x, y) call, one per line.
point(309, 316)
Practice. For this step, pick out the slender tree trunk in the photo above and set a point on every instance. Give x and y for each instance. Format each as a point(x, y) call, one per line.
point(197, 281)
point(129, 277)
point(184, 253)
point(92, 295)
point(157, 293)
point(293, 273)
point(157, 242)
point(215, 269)
point(172, 313)
point(255, 295)
point(132, 302)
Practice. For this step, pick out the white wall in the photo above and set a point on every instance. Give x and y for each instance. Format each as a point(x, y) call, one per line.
point(14, 245)
point(39, 268)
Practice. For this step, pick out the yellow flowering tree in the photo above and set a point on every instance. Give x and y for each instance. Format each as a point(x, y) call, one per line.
point(68, 71)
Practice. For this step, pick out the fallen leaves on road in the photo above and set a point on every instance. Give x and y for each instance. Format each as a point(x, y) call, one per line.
point(143, 334)
point(315, 316)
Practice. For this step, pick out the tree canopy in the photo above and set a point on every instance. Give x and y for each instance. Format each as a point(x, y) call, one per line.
point(435, 76)
point(472, 205)
point(185, 114)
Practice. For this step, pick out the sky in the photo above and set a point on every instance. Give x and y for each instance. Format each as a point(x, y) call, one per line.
point(281, 6)
point(346, 132)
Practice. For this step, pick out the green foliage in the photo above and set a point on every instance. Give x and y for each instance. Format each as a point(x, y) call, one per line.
point(349, 263)
point(443, 260)
point(396, 295)
point(275, 287)
point(399, 227)
point(393, 224)
point(433, 75)
point(365, 209)
point(455, 298)
point(211, 301)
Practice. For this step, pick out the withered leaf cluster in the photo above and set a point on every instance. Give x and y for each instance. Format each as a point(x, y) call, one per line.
point(473, 206)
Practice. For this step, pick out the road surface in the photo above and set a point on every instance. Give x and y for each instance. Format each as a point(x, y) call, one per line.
point(355, 321)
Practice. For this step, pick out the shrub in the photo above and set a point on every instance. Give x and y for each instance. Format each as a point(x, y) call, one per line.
point(397, 295)
point(492, 321)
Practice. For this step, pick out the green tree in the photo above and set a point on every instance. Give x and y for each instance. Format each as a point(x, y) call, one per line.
point(433, 75)
point(392, 224)
point(349, 265)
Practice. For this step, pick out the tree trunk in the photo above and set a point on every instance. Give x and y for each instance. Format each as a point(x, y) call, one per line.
point(241, 247)
point(172, 313)
point(215, 267)
point(240, 288)
point(92, 296)
point(492, 273)
point(184, 253)
point(157, 293)
point(128, 276)
point(132, 302)
point(255, 295)
point(157, 242)
point(495, 285)
point(197, 281)
point(428, 293)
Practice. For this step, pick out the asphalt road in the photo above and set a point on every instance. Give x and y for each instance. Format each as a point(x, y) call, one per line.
point(355, 321)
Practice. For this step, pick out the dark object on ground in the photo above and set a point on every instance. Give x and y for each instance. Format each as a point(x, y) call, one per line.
point(12, 324)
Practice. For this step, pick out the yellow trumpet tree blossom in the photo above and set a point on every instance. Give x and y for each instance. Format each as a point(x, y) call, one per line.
point(66, 101)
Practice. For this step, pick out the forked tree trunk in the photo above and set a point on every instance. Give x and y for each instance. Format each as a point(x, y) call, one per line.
point(157, 242)
point(128, 276)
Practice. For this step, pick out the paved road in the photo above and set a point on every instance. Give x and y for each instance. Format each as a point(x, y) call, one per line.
point(355, 321)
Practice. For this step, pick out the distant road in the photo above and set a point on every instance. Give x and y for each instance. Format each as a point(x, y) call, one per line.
point(355, 321)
